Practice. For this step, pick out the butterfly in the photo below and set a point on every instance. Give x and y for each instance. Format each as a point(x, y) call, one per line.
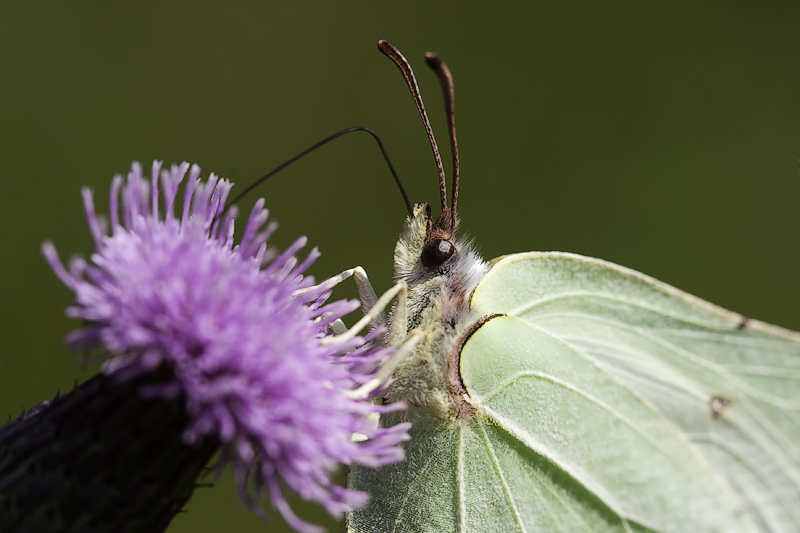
point(554, 392)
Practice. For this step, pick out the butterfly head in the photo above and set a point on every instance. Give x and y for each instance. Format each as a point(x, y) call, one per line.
point(436, 265)
point(427, 247)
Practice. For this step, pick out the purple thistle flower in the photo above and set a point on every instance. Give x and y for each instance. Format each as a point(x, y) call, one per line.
point(242, 346)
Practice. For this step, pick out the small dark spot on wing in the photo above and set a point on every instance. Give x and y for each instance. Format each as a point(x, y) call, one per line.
point(743, 320)
point(719, 405)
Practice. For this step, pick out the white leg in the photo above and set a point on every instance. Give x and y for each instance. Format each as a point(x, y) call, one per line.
point(337, 327)
point(388, 367)
point(399, 289)
point(366, 293)
point(329, 283)
point(398, 327)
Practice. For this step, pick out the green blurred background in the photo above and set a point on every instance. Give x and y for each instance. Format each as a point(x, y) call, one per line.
point(664, 138)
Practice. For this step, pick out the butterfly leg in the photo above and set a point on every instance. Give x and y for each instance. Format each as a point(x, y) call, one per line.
point(366, 293)
point(387, 367)
point(375, 313)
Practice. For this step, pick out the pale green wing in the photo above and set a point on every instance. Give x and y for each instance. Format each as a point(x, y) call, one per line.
point(558, 445)
point(606, 401)
point(727, 386)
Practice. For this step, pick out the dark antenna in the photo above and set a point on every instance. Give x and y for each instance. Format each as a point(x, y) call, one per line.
point(310, 149)
point(446, 81)
point(402, 64)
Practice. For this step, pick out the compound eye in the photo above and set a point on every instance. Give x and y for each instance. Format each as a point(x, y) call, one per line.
point(437, 252)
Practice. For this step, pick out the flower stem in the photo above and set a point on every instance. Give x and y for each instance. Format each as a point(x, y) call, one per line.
point(100, 458)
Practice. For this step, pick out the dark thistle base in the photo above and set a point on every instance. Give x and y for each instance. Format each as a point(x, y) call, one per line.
point(98, 459)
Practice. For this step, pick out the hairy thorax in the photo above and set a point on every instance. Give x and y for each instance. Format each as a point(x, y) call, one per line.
point(439, 308)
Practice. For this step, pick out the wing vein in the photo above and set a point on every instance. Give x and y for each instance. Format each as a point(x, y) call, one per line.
point(677, 350)
point(499, 471)
point(461, 484)
point(615, 298)
point(569, 386)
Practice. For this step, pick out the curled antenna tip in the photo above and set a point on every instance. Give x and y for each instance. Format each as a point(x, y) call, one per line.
point(386, 47)
point(446, 81)
point(433, 59)
point(390, 51)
